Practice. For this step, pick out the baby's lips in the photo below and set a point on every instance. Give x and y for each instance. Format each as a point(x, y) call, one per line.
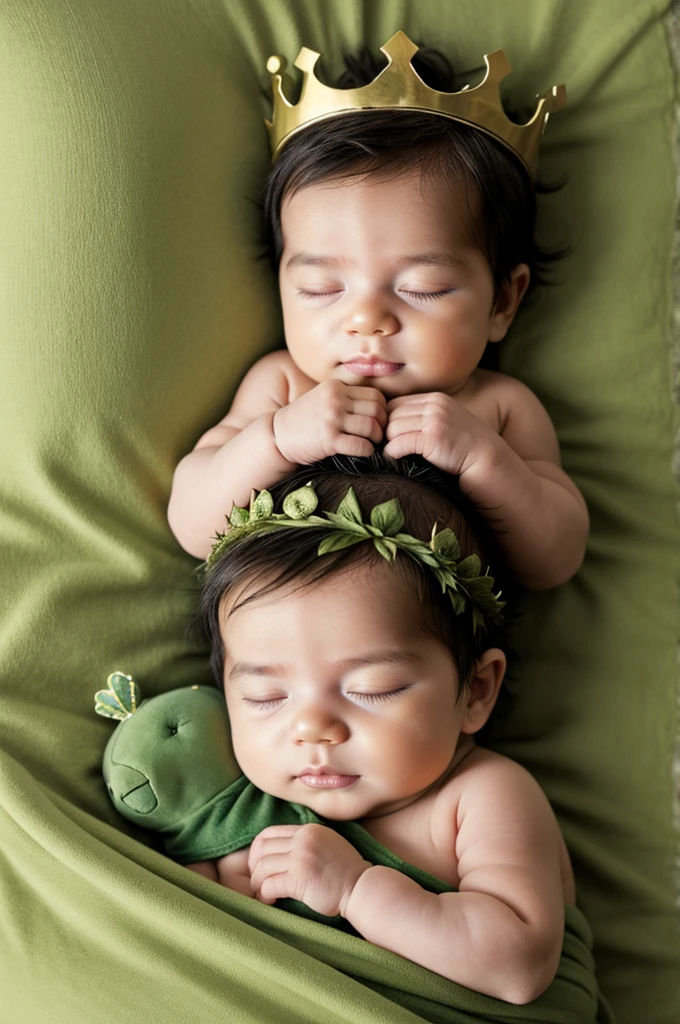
point(372, 367)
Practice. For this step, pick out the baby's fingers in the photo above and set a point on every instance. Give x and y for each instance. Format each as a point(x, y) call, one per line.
point(369, 407)
point(358, 447)
point(361, 393)
point(405, 444)
point(403, 425)
point(406, 400)
point(273, 839)
point(362, 426)
point(273, 888)
point(272, 864)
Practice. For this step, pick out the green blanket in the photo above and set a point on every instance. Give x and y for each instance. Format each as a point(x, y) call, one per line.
point(169, 766)
point(132, 298)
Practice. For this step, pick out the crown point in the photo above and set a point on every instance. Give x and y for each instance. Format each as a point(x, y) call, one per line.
point(498, 65)
point(276, 65)
point(306, 59)
point(399, 45)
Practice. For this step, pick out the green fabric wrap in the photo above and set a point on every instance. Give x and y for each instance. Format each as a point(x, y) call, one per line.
point(164, 766)
point(132, 299)
point(233, 819)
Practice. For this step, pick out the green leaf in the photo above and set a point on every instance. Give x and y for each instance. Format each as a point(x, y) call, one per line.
point(349, 507)
point(488, 602)
point(411, 544)
point(479, 586)
point(337, 541)
point(347, 524)
point(427, 558)
point(239, 516)
point(222, 541)
point(104, 709)
point(386, 547)
point(388, 517)
point(301, 503)
point(445, 544)
point(446, 578)
point(457, 601)
point(120, 699)
point(469, 568)
point(261, 505)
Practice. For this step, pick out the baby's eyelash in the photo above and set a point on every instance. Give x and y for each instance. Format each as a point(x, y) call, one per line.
point(375, 698)
point(263, 705)
point(427, 295)
point(319, 295)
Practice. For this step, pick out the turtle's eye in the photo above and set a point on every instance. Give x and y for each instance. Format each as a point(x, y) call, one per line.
point(173, 730)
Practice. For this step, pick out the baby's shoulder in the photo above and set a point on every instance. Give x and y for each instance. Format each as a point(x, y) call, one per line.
point(488, 782)
point(511, 406)
point(273, 379)
point(278, 366)
point(491, 382)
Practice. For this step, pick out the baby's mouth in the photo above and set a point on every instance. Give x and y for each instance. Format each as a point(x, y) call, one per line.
point(365, 367)
point(325, 778)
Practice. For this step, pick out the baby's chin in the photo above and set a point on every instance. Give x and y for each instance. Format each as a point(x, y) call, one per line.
point(335, 805)
point(407, 381)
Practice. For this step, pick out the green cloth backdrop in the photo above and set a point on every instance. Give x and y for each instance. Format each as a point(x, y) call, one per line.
point(133, 296)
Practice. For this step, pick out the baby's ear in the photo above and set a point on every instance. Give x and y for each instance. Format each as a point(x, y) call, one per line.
point(483, 688)
point(510, 294)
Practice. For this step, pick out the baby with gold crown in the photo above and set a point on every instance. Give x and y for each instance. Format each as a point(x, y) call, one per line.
point(401, 218)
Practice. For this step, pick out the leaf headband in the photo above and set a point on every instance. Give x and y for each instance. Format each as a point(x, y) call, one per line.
point(459, 577)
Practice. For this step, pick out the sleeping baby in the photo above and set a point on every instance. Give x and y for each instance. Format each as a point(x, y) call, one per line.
point(404, 245)
point(359, 654)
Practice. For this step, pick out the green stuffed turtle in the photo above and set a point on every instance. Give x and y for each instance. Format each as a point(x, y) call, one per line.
point(152, 768)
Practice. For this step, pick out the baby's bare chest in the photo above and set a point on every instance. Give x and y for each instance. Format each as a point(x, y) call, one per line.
point(423, 835)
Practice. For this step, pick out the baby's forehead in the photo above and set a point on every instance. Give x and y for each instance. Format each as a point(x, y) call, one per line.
point(430, 202)
point(347, 604)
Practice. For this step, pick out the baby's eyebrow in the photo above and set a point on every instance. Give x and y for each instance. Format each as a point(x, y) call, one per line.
point(247, 668)
point(432, 259)
point(419, 259)
point(395, 657)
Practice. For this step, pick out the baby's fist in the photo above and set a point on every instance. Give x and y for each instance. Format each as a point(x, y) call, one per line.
point(310, 863)
point(331, 419)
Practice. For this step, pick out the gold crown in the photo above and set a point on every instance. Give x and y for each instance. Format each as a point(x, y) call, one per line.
point(399, 86)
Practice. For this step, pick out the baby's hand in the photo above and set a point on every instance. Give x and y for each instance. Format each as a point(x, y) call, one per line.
point(439, 428)
point(310, 863)
point(331, 419)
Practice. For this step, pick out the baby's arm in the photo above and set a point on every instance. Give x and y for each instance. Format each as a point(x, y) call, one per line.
point(500, 934)
point(230, 871)
point(270, 429)
point(234, 456)
point(513, 477)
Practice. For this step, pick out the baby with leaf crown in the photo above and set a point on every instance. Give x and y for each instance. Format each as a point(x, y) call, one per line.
point(404, 244)
point(359, 652)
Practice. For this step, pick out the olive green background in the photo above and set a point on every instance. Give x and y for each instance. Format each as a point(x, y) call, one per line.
point(132, 297)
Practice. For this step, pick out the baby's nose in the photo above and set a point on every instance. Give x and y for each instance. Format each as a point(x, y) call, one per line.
point(314, 725)
point(370, 317)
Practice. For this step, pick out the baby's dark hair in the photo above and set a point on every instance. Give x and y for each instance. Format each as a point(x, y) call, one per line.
point(389, 142)
point(263, 564)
